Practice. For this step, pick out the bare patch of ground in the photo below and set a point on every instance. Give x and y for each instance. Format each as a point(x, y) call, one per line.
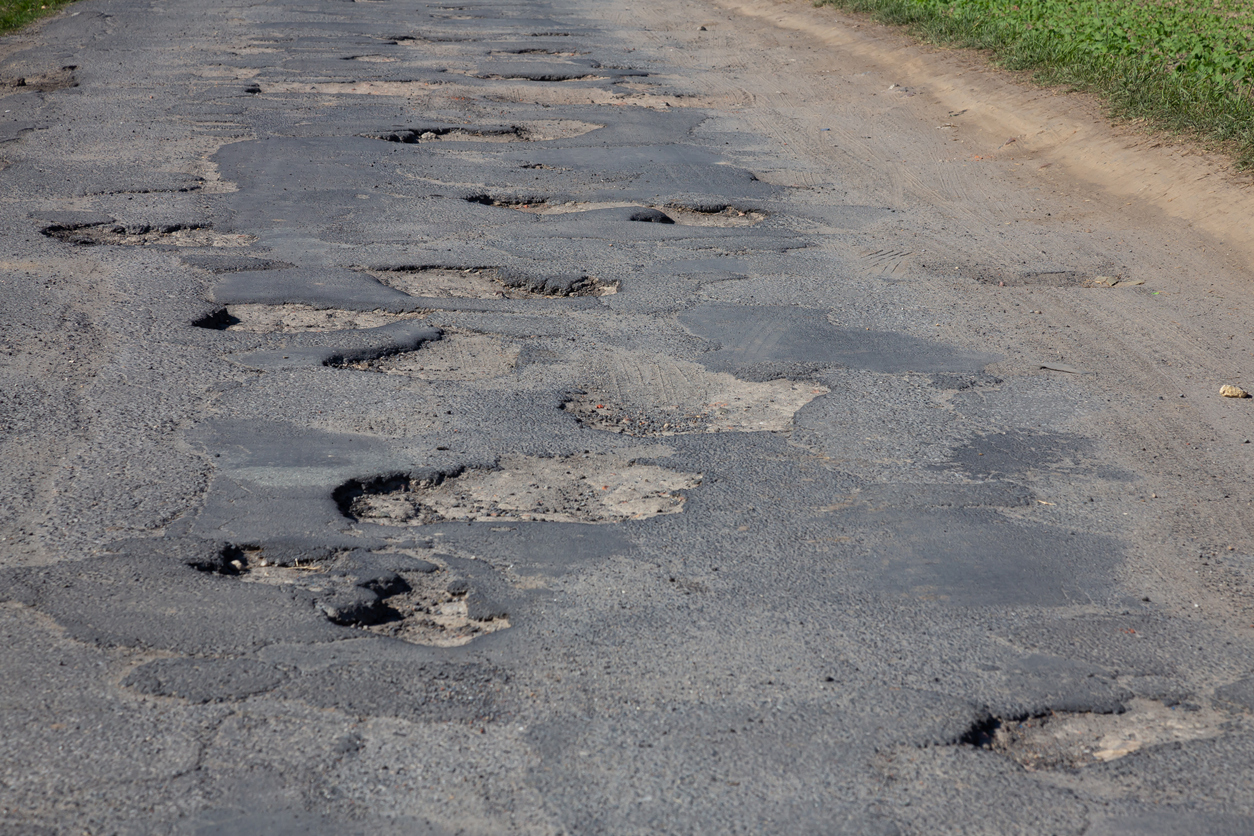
point(651, 395)
point(479, 283)
point(458, 355)
point(436, 613)
point(1070, 740)
point(40, 82)
point(287, 319)
point(582, 488)
point(721, 216)
point(544, 207)
point(173, 235)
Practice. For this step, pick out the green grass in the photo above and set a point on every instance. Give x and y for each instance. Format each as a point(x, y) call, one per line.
point(1186, 66)
point(15, 14)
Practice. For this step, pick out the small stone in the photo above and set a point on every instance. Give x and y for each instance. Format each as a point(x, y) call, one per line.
point(1230, 391)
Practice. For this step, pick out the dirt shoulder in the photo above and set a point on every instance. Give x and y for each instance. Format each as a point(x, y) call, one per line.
point(1149, 173)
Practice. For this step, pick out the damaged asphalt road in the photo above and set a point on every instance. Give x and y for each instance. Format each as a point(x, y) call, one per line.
point(571, 417)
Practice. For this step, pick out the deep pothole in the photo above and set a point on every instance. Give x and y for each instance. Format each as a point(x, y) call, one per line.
point(530, 131)
point(288, 319)
point(719, 215)
point(486, 283)
point(588, 488)
point(651, 395)
point(144, 235)
point(417, 599)
point(458, 355)
point(1071, 740)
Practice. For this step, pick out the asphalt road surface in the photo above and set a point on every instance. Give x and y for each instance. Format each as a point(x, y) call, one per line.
point(578, 417)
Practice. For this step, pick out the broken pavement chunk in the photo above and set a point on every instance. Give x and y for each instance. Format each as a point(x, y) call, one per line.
point(1230, 391)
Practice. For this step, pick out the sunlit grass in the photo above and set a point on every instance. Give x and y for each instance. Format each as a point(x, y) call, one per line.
point(17, 13)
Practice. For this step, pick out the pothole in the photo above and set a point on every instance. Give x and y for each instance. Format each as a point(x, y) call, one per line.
point(1066, 740)
point(399, 595)
point(486, 283)
point(650, 395)
point(589, 488)
point(47, 82)
point(721, 216)
point(543, 76)
point(288, 319)
point(532, 131)
point(459, 355)
point(413, 136)
point(419, 40)
point(556, 53)
point(437, 613)
point(177, 235)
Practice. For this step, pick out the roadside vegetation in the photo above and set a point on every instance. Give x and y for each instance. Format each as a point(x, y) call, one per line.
point(1182, 65)
point(15, 14)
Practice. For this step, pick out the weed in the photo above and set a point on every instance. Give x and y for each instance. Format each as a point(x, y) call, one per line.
point(17, 13)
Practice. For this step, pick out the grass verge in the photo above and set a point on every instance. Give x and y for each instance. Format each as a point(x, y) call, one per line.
point(1186, 66)
point(15, 14)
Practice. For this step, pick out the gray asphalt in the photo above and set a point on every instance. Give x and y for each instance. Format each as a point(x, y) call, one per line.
point(453, 419)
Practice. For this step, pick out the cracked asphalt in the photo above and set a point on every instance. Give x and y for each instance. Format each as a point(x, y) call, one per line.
point(580, 417)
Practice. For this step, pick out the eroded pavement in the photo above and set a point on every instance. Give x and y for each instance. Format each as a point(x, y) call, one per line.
point(570, 417)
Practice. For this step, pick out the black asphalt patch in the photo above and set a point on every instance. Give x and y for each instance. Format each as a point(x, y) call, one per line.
point(750, 339)
point(974, 557)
